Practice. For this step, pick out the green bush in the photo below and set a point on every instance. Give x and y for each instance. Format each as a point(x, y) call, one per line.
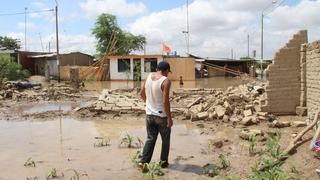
point(264, 64)
point(11, 71)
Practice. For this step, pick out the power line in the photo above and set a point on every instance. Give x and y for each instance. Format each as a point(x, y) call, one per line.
point(30, 12)
point(279, 4)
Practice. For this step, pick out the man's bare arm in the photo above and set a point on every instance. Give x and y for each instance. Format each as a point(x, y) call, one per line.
point(143, 91)
point(166, 103)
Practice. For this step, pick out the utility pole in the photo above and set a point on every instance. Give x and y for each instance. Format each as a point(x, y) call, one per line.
point(25, 29)
point(231, 53)
point(248, 45)
point(188, 29)
point(261, 43)
point(57, 41)
point(41, 42)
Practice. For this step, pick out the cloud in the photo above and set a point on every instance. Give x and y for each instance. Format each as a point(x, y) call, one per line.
point(218, 26)
point(67, 43)
point(120, 8)
point(30, 26)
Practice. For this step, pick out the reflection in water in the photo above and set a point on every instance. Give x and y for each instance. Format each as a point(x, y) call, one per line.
point(213, 82)
point(49, 106)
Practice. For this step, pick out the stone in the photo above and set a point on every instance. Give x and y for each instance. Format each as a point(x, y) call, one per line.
point(254, 119)
point(37, 87)
point(259, 89)
point(200, 107)
point(202, 115)
point(246, 133)
point(235, 120)
point(76, 109)
point(221, 111)
point(225, 118)
point(187, 114)
point(106, 108)
point(237, 111)
point(234, 98)
point(194, 117)
point(212, 116)
point(247, 121)
point(262, 114)
point(200, 125)
point(245, 98)
point(279, 124)
point(249, 106)
point(257, 108)
point(228, 107)
point(262, 118)
point(247, 112)
point(218, 143)
point(299, 123)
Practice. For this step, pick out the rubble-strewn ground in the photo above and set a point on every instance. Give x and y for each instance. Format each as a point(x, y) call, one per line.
point(58, 126)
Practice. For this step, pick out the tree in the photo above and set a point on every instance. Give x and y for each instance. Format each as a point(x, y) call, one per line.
point(9, 43)
point(105, 25)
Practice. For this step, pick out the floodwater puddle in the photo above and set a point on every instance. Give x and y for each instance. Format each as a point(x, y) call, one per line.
point(67, 143)
point(49, 106)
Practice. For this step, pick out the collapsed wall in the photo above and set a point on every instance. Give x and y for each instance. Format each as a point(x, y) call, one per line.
point(284, 78)
point(312, 84)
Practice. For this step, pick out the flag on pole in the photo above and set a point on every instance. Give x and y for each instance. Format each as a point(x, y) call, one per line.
point(166, 48)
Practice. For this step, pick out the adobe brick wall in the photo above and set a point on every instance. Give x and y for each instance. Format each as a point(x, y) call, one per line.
point(313, 76)
point(284, 77)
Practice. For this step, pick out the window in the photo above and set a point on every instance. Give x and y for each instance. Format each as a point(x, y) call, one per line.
point(123, 65)
point(150, 64)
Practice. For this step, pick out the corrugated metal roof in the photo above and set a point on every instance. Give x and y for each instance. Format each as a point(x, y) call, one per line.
point(43, 55)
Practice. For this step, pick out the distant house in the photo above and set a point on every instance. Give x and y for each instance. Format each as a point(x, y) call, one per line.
point(222, 66)
point(7, 53)
point(42, 63)
point(242, 66)
point(135, 67)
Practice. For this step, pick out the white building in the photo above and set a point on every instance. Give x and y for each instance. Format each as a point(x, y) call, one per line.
point(135, 67)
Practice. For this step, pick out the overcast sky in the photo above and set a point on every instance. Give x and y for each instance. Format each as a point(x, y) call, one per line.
point(216, 26)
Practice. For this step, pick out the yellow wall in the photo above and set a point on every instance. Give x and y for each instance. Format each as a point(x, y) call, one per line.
point(184, 67)
point(65, 72)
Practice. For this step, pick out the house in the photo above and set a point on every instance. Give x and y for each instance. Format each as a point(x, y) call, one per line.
point(223, 66)
point(40, 64)
point(7, 53)
point(137, 67)
point(215, 66)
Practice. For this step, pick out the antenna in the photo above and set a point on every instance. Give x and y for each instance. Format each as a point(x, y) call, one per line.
point(25, 28)
point(41, 42)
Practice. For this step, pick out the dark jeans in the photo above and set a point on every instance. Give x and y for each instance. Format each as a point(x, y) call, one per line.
point(156, 124)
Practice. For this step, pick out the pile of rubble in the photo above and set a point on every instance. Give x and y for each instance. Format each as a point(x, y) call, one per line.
point(119, 101)
point(11, 91)
point(236, 104)
point(240, 104)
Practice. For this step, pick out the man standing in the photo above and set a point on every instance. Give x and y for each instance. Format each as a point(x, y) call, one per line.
point(155, 92)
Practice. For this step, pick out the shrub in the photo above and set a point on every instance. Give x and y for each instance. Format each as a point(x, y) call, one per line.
point(11, 70)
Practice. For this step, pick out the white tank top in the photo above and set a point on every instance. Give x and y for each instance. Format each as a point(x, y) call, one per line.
point(154, 103)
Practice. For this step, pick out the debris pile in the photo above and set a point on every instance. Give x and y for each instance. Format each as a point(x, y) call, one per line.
point(119, 101)
point(11, 91)
point(240, 104)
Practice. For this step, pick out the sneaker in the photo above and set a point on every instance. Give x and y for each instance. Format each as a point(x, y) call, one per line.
point(143, 167)
point(165, 165)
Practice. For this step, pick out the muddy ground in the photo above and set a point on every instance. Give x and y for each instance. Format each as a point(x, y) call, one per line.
point(55, 135)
